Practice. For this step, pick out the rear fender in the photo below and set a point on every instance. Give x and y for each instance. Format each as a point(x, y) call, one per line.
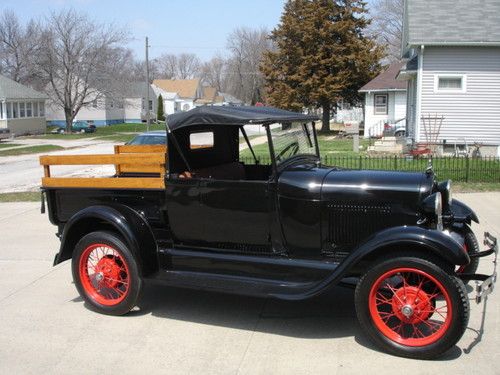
point(130, 225)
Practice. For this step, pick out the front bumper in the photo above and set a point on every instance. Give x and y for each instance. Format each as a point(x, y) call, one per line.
point(484, 283)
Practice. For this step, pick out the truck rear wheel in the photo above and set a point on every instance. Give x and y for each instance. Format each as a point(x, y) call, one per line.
point(106, 273)
point(411, 307)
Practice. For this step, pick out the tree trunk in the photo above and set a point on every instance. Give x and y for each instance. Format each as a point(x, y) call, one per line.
point(68, 113)
point(325, 126)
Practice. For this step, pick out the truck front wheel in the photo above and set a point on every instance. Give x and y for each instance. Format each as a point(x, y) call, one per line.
point(106, 273)
point(411, 307)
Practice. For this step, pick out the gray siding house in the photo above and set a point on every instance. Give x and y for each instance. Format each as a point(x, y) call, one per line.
point(453, 71)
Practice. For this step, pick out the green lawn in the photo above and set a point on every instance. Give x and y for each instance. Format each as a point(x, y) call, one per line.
point(30, 150)
point(105, 131)
point(7, 145)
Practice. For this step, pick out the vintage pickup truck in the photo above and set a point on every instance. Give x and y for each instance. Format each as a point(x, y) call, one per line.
point(195, 214)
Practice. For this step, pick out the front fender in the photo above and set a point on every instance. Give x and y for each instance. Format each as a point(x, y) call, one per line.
point(131, 226)
point(462, 213)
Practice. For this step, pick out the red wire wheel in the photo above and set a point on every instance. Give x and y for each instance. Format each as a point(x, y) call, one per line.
point(410, 307)
point(104, 274)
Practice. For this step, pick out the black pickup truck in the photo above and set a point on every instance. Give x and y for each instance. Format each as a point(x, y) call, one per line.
point(290, 229)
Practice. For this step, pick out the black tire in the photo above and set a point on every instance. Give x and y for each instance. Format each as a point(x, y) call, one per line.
point(393, 335)
point(116, 289)
point(472, 245)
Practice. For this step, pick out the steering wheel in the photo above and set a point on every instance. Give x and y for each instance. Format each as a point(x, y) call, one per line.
point(293, 147)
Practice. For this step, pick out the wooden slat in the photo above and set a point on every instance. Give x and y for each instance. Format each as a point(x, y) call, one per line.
point(133, 168)
point(103, 183)
point(133, 149)
point(139, 159)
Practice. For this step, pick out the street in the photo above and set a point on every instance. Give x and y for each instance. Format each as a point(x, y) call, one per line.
point(46, 328)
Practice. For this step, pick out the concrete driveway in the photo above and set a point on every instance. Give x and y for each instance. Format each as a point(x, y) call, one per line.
point(45, 327)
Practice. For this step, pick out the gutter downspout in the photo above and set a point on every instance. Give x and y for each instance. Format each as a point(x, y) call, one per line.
point(418, 108)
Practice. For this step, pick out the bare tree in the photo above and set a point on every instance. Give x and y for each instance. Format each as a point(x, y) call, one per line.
point(213, 72)
point(18, 48)
point(247, 47)
point(387, 26)
point(167, 64)
point(79, 59)
point(188, 66)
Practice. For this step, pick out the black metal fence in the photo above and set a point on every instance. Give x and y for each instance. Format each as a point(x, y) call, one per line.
point(459, 169)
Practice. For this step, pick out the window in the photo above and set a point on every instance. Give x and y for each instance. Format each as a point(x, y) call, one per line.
point(380, 104)
point(94, 103)
point(35, 109)
point(111, 103)
point(29, 113)
point(41, 107)
point(1, 110)
point(15, 110)
point(201, 140)
point(150, 105)
point(451, 83)
point(22, 112)
point(9, 110)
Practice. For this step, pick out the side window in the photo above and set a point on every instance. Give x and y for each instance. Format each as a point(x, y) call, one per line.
point(201, 140)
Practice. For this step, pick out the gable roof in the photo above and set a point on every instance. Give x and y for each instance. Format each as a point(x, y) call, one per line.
point(10, 89)
point(451, 22)
point(208, 97)
point(186, 88)
point(386, 81)
point(236, 116)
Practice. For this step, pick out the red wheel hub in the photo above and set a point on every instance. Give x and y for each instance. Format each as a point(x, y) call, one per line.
point(402, 302)
point(104, 274)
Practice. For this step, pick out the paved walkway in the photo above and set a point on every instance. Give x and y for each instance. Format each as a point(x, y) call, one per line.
point(45, 327)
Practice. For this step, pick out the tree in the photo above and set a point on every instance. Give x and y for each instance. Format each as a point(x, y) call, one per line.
point(81, 60)
point(387, 26)
point(188, 66)
point(322, 55)
point(247, 47)
point(160, 115)
point(213, 73)
point(19, 45)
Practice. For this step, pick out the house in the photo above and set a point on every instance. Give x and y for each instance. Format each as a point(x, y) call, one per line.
point(22, 109)
point(209, 97)
point(385, 100)
point(127, 106)
point(453, 72)
point(178, 94)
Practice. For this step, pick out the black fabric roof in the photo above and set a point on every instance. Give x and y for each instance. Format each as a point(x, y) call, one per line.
point(234, 115)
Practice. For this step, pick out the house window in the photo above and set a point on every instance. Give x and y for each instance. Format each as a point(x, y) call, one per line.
point(380, 104)
point(29, 113)
point(150, 105)
point(22, 112)
point(35, 109)
point(41, 107)
point(1, 110)
point(111, 103)
point(9, 110)
point(94, 103)
point(451, 83)
point(120, 103)
point(15, 110)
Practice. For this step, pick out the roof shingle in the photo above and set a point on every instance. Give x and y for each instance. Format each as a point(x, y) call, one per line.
point(186, 88)
point(386, 80)
point(10, 89)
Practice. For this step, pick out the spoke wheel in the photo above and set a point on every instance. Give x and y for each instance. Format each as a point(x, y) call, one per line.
point(410, 307)
point(104, 274)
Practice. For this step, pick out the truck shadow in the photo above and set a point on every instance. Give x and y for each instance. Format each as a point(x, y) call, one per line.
point(329, 316)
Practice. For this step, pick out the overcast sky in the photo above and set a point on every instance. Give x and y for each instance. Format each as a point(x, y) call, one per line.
point(173, 26)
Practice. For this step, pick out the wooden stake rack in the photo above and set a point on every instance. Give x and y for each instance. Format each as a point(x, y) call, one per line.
point(137, 160)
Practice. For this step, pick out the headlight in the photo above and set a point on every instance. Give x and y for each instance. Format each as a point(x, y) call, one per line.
point(433, 204)
point(445, 189)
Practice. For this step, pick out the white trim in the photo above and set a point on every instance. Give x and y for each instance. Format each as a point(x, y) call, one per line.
point(418, 90)
point(381, 90)
point(461, 90)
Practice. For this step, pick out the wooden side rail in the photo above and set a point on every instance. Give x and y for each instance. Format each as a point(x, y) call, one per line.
point(154, 161)
point(137, 149)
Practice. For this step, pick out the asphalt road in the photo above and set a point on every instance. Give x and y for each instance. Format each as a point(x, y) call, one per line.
point(46, 328)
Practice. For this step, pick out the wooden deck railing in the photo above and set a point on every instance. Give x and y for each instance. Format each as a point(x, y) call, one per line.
point(127, 160)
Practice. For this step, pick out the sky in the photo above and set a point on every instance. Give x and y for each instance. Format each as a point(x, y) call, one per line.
point(173, 26)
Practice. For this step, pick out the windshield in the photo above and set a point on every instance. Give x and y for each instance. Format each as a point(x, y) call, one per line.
point(292, 139)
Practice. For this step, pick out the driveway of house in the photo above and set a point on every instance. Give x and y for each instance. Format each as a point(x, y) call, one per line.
point(46, 328)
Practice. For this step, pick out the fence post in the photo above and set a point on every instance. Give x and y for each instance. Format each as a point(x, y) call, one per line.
point(360, 162)
point(467, 168)
point(395, 162)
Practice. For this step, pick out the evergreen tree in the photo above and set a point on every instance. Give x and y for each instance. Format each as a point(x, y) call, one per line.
point(160, 115)
point(321, 55)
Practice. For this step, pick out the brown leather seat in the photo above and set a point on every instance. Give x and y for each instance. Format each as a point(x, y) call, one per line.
point(229, 171)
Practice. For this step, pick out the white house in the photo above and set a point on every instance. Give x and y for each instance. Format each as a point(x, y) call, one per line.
point(180, 94)
point(22, 109)
point(128, 106)
point(385, 100)
point(454, 71)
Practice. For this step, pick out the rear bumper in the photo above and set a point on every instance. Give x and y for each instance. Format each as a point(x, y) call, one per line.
point(484, 283)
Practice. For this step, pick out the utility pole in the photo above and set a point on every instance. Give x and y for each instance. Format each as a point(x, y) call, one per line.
point(148, 113)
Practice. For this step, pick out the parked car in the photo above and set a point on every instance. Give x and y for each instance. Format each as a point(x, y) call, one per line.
point(155, 137)
point(395, 129)
point(4, 133)
point(83, 127)
point(291, 230)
